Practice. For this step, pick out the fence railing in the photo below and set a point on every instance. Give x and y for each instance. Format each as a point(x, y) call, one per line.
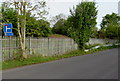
point(42, 46)
point(38, 46)
point(93, 41)
point(0, 49)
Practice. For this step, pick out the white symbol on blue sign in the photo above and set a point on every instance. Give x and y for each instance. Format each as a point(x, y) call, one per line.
point(8, 29)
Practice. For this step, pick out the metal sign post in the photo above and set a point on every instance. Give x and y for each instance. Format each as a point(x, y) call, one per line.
point(8, 32)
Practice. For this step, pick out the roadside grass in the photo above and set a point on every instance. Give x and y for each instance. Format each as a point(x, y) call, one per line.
point(0, 65)
point(41, 59)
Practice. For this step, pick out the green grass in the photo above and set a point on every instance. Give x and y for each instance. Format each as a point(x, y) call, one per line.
point(0, 65)
point(40, 59)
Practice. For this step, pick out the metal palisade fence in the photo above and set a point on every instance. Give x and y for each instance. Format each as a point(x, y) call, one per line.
point(0, 49)
point(37, 46)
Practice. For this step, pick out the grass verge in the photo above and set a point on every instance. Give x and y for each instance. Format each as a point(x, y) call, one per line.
point(40, 59)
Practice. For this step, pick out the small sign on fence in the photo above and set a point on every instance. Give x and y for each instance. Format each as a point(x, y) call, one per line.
point(8, 30)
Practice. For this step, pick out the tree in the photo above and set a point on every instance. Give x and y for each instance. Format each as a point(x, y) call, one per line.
point(45, 28)
point(112, 31)
point(56, 18)
point(109, 18)
point(0, 20)
point(60, 27)
point(101, 34)
point(110, 25)
point(94, 32)
point(40, 28)
point(33, 27)
point(9, 16)
point(81, 22)
point(22, 8)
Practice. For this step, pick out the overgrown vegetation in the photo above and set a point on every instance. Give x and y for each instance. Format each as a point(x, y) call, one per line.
point(60, 27)
point(41, 59)
point(34, 27)
point(81, 22)
point(110, 26)
point(22, 15)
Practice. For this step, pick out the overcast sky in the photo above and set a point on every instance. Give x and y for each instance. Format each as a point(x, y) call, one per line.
point(63, 6)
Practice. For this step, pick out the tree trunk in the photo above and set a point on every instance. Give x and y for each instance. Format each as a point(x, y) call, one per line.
point(24, 29)
point(21, 24)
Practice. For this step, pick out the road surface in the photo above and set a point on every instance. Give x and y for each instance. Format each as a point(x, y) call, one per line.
point(101, 65)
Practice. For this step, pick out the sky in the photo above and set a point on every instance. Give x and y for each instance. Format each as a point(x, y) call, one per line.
point(62, 6)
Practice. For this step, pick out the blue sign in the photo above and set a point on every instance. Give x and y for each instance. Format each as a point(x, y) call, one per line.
point(8, 34)
point(8, 29)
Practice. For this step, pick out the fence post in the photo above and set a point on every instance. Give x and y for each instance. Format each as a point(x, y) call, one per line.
point(48, 46)
point(62, 46)
point(29, 46)
point(9, 46)
point(0, 48)
point(58, 45)
point(44, 47)
point(3, 55)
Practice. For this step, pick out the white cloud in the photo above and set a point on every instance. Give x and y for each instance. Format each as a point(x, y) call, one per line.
point(81, 0)
point(106, 0)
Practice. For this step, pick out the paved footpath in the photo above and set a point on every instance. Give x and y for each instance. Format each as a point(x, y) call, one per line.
point(101, 65)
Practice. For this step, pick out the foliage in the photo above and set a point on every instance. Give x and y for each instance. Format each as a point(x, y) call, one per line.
point(34, 28)
point(56, 18)
point(101, 34)
point(59, 24)
point(94, 32)
point(110, 25)
point(38, 28)
point(109, 18)
point(60, 27)
point(112, 31)
point(9, 16)
point(81, 22)
point(21, 9)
